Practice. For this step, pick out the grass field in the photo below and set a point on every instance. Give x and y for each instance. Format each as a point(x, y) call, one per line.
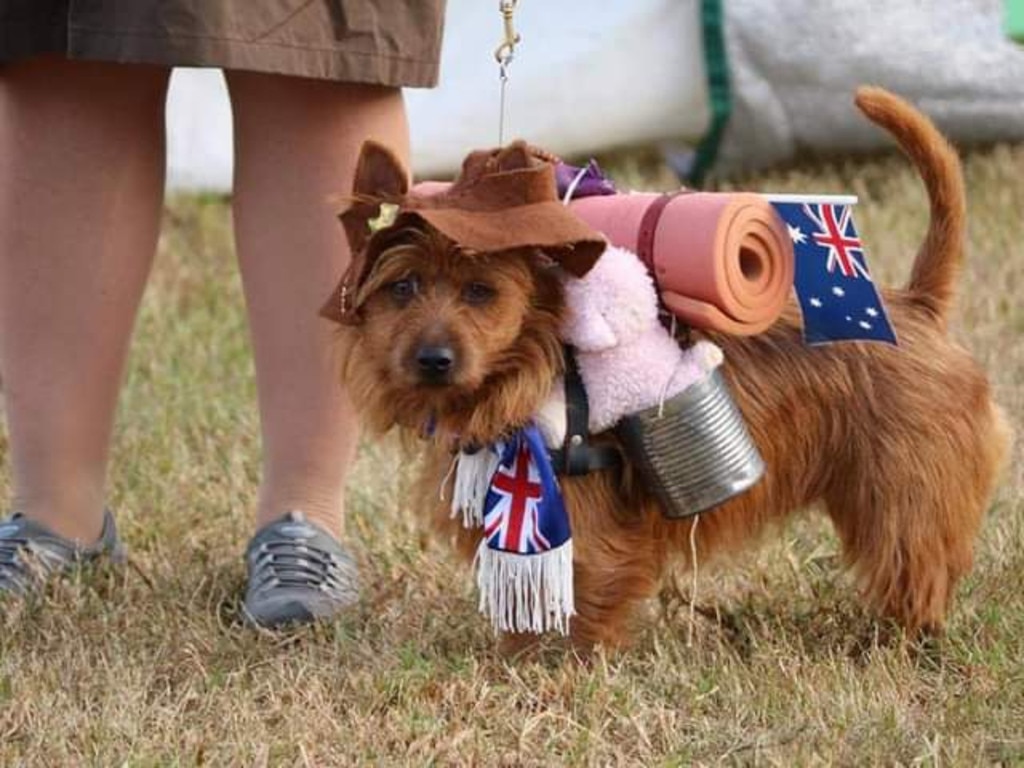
point(150, 666)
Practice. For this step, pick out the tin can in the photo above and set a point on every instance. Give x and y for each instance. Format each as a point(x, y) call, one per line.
point(694, 450)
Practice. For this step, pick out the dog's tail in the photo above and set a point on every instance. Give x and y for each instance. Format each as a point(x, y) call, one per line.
point(938, 262)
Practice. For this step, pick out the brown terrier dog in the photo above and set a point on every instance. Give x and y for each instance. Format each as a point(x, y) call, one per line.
point(899, 445)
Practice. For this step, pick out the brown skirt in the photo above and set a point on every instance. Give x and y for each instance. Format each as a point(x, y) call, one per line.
point(387, 42)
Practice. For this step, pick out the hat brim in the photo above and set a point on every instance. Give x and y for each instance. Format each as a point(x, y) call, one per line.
point(549, 226)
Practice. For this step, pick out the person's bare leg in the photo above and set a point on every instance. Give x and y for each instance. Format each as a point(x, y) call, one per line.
point(296, 144)
point(81, 186)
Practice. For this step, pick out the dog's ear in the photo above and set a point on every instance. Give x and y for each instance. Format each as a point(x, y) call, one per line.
point(380, 176)
point(379, 173)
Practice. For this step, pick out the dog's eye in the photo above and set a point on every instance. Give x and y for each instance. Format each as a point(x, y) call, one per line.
point(404, 289)
point(477, 293)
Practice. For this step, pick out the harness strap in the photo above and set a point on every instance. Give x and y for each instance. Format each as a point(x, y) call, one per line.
point(577, 455)
point(648, 229)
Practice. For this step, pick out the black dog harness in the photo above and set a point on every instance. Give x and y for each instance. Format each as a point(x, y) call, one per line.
point(578, 456)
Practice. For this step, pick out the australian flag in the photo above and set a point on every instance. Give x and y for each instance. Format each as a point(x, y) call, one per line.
point(837, 297)
point(523, 510)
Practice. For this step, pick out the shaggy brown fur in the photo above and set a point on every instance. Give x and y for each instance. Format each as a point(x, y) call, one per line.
point(901, 446)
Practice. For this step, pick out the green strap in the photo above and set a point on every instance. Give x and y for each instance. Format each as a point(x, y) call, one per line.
point(719, 90)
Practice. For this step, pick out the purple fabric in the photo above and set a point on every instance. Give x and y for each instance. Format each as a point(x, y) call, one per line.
point(594, 182)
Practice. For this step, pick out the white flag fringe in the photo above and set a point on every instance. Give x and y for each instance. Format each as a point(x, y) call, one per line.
point(473, 475)
point(526, 593)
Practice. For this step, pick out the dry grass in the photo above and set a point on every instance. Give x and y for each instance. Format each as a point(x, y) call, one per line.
point(150, 666)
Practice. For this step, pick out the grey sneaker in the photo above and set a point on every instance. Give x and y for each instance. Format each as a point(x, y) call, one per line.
point(31, 554)
point(298, 573)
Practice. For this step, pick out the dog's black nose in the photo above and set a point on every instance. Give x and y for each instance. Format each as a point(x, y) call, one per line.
point(435, 362)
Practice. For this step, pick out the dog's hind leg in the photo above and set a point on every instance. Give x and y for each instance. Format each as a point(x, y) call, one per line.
point(909, 535)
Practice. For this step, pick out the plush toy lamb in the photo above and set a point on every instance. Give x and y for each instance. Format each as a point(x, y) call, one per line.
point(627, 359)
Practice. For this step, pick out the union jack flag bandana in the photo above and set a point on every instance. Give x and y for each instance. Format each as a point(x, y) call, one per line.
point(838, 299)
point(524, 562)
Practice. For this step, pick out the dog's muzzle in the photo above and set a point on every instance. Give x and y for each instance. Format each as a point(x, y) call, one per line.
point(435, 363)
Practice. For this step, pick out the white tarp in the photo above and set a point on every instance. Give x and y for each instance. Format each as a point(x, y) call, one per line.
point(587, 76)
point(590, 76)
point(199, 152)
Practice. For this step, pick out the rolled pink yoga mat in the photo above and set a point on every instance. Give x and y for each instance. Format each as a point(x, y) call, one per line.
point(722, 261)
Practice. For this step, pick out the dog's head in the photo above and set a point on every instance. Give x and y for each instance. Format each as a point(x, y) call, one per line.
point(444, 337)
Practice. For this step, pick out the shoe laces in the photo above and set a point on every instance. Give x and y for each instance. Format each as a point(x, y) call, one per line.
point(296, 564)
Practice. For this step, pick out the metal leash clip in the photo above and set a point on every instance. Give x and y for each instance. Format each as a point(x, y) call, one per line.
point(506, 49)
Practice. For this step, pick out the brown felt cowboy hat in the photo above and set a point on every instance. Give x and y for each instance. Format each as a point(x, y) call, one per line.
point(503, 199)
